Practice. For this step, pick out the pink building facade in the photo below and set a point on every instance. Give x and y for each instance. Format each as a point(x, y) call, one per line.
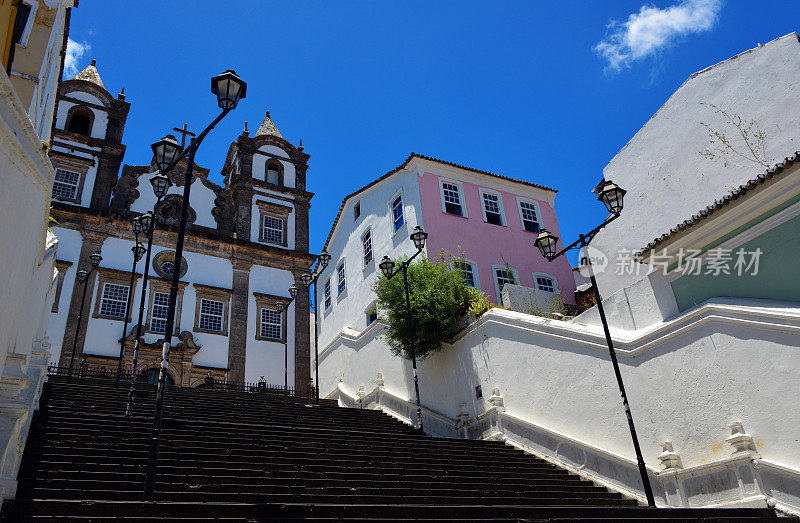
point(486, 221)
point(492, 243)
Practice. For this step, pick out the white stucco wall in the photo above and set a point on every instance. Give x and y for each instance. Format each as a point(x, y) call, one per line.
point(266, 358)
point(260, 163)
point(100, 117)
point(255, 218)
point(667, 179)
point(202, 199)
point(687, 380)
point(349, 309)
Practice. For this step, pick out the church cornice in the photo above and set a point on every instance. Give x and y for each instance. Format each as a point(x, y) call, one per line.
point(108, 224)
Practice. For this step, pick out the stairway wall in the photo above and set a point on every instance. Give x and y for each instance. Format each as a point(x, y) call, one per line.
point(688, 381)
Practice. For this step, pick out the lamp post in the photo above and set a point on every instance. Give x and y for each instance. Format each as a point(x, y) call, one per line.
point(147, 223)
point(283, 310)
point(229, 89)
point(611, 195)
point(418, 236)
point(308, 279)
point(83, 277)
point(138, 251)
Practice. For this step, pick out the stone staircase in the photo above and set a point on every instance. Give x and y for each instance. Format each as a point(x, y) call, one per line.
point(241, 456)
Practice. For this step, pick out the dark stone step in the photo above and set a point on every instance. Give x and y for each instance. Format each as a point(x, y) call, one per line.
point(463, 511)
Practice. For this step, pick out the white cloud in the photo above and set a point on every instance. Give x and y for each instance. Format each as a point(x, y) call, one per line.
point(75, 50)
point(651, 29)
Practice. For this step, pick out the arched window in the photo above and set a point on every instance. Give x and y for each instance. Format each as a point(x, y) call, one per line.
point(79, 120)
point(274, 174)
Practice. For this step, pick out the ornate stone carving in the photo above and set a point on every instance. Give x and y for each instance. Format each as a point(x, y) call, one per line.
point(669, 459)
point(125, 190)
point(168, 211)
point(224, 211)
point(740, 440)
point(187, 341)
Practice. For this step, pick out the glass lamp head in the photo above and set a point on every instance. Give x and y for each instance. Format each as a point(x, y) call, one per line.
point(293, 291)
point(546, 243)
point(306, 279)
point(324, 258)
point(229, 89)
point(138, 251)
point(386, 266)
point(418, 237)
point(96, 259)
point(611, 196)
point(161, 185)
point(165, 151)
point(82, 275)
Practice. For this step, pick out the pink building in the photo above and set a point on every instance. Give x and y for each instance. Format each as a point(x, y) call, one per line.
point(489, 219)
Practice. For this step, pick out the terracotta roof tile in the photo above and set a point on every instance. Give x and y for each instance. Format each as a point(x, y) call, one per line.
point(720, 203)
point(432, 159)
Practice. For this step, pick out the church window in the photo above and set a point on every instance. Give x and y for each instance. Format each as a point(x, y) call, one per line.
point(273, 229)
point(341, 284)
point(211, 315)
point(529, 213)
point(211, 309)
point(451, 199)
point(328, 300)
point(158, 315)
point(366, 244)
point(356, 211)
point(397, 213)
point(545, 282)
point(168, 268)
point(274, 173)
point(271, 324)
point(492, 208)
point(114, 301)
point(66, 184)
point(79, 120)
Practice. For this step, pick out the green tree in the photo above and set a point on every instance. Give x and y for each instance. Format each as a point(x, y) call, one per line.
point(439, 300)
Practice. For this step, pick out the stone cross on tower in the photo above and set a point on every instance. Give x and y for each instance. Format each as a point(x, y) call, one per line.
point(183, 132)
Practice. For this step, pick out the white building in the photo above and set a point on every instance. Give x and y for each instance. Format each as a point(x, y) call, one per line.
point(662, 168)
point(33, 53)
point(246, 244)
point(487, 220)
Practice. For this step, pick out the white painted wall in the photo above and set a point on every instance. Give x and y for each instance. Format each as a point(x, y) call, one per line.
point(666, 178)
point(260, 163)
point(687, 379)
point(266, 358)
point(349, 309)
point(100, 117)
point(201, 197)
point(255, 219)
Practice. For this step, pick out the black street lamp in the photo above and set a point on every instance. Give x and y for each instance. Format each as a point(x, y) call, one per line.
point(418, 236)
point(308, 279)
point(283, 309)
point(611, 195)
point(138, 251)
point(147, 224)
point(83, 277)
point(229, 89)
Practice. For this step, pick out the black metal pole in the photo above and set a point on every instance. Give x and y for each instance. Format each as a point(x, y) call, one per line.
point(80, 318)
point(155, 439)
point(316, 343)
point(127, 314)
point(412, 343)
point(648, 491)
point(286, 352)
point(145, 277)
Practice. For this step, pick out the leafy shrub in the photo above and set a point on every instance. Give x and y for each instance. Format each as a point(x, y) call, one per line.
point(439, 300)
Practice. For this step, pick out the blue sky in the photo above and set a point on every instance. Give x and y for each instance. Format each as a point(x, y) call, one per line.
point(545, 92)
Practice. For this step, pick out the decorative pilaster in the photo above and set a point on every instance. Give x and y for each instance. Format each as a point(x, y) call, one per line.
point(237, 339)
point(92, 242)
point(741, 441)
point(243, 208)
point(302, 339)
point(301, 225)
point(669, 459)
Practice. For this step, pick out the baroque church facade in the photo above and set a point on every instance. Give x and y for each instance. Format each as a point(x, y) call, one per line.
point(247, 242)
